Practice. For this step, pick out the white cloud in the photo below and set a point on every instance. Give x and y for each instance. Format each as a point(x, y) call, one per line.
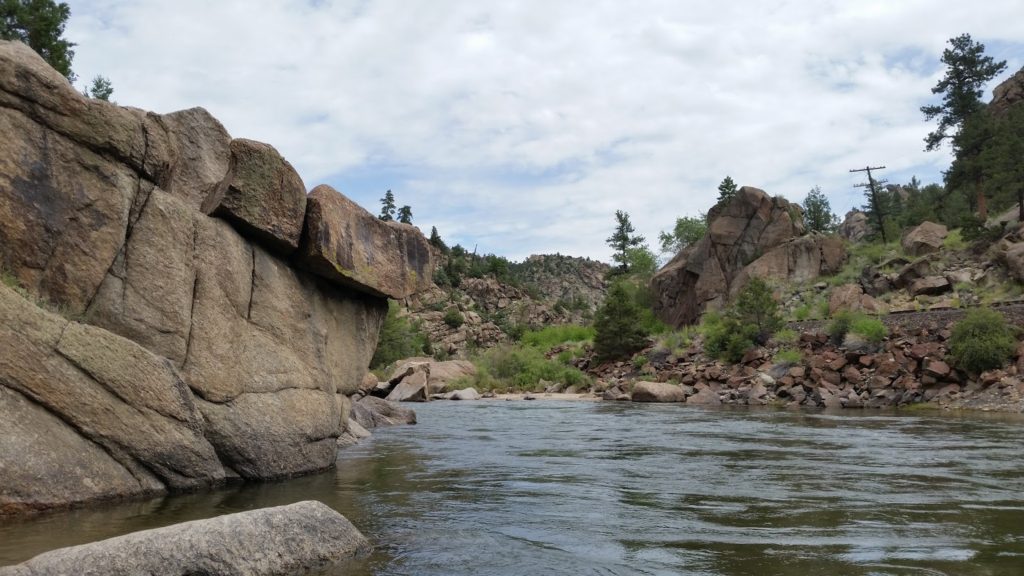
point(523, 126)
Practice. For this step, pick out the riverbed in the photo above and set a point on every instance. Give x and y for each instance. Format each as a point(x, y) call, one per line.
point(553, 487)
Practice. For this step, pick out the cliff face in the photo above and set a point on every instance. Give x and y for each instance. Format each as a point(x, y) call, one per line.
point(176, 311)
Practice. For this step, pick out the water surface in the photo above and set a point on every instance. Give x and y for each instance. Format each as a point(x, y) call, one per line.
point(544, 487)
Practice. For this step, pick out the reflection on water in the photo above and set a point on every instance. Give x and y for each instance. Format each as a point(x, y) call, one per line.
point(596, 488)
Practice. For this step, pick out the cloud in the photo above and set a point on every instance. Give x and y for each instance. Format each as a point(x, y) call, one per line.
point(521, 127)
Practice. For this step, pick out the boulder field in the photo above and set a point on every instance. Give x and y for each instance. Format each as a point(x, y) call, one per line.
point(175, 310)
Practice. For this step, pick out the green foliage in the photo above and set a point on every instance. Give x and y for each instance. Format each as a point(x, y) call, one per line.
point(101, 88)
point(399, 338)
point(405, 214)
point(641, 261)
point(40, 24)
point(550, 336)
point(639, 361)
point(387, 208)
point(453, 318)
point(623, 239)
point(688, 230)
point(967, 72)
point(786, 336)
point(751, 320)
point(954, 241)
point(818, 215)
point(982, 341)
point(870, 329)
point(436, 241)
point(521, 368)
point(846, 322)
point(675, 341)
point(618, 329)
point(726, 190)
point(802, 313)
point(788, 356)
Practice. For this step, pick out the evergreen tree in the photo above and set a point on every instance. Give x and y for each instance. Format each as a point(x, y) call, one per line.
point(623, 239)
point(726, 190)
point(387, 210)
point(436, 241)
point(40, 25)
point(967, 71)
point(688, 230)
point(617, 325)
point(405, 214)
point(818, 215)
point(101, 88)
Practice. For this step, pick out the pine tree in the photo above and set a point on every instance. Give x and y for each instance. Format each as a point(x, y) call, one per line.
point(405, 214)
point(101, 88)
point(617, 325)
point(688, 230)
point(726, 190)
point(967, 71)
point(40, 24)
point(818, 215)
point(436, 241)
point(387, 210)
point(623, 239)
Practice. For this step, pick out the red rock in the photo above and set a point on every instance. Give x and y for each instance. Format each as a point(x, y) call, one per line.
point(797, 371)
point(837, 363)
point(866, 361)
point(937, 368)
point(831, 377)
point(851, 374)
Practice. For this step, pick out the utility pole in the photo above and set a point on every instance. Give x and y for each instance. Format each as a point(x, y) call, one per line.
point(872, 186)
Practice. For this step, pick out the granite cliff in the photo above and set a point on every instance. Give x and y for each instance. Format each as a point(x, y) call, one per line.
point(176, 311)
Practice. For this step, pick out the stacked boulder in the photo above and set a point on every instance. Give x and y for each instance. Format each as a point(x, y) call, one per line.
point(176, 311)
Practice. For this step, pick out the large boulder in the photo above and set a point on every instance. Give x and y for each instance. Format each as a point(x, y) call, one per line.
point(303, 538)
point(371, 412)
point(440, 374)
point(658, 392)
point(149, 346)
point(266, 198)
point(925, 238)
point(346, 244)
point(851, 297)
point(752, 235)
point(855, 226)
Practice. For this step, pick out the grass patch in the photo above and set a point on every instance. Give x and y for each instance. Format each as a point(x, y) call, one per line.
point(954, 240)
point(786, 336)
point(551, 336)
point(788, 356)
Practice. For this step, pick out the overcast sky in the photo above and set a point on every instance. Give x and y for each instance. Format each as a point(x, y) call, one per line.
point(520, 126)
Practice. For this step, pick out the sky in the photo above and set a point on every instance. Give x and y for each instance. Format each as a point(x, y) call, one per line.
point(520, 127)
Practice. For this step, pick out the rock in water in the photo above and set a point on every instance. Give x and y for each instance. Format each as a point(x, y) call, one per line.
point(658, 392)
point(289, 540)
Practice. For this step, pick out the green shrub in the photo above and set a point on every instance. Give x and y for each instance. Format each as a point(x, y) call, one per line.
point(675, 341)
point(954, 240)
point(548, 337)
point(521, 368)
point(868, 328)
point(618, 331)
point(399, 338)
point(839, 326)
point(786, 336)
point(453, 318)
point(751, 320)
point(802, 313)
point(982, 341)
point(788, 356)
point(639, 361)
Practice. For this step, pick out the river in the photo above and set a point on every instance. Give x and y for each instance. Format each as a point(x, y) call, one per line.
point(553, 487)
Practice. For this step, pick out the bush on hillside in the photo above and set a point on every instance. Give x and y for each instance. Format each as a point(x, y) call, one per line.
point(751, 320)
point(982, 341)
point(870, 329)
point(453, 318)
point(551, 336)
point(618, 328)
point(399, 338)
point(521, 368)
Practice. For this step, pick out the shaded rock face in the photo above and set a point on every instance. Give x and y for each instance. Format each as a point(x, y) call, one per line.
point(753, 235)
point(186, 350)
point(1008, 94)
point(300, 538)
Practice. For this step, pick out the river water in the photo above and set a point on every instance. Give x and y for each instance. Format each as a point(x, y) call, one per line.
point(547, 487)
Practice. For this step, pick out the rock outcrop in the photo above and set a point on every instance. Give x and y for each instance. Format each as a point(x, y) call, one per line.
point(923, 239)
point(854, 227)
point(301, 538)
point(1008, 94)
point(148, 346)
point(752, 235)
